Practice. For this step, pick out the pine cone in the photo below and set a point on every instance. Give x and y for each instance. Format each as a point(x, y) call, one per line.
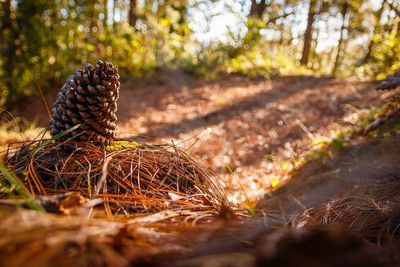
point(390, 83)
point(89, 98)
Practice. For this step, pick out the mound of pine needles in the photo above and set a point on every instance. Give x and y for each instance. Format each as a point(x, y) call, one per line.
point(129, 177)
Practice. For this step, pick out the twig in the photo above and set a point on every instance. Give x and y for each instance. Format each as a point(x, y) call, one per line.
point(381, 120)
point(305, 129)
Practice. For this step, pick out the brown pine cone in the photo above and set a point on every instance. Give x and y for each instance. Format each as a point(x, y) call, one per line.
point(89, 98)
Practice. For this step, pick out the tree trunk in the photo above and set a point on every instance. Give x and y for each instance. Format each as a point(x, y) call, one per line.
point(345, 8)
point(314, 44)
point(132, 15)
point(257, 9)
point(376, 27)
point(105, 12)
point(393, 8)
point(308, 33)
point(8, 45)
point(114, 8)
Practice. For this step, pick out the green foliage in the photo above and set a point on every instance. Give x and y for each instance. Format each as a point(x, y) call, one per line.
point(45, 41)
point(386, 55)
point(258, 62)
point(228, 59)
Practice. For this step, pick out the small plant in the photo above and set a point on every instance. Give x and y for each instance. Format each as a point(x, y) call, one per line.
point(13, 186)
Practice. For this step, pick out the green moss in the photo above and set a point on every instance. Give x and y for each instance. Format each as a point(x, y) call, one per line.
point(120, 145)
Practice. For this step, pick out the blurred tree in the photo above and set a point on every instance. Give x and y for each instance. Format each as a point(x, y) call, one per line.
point(269, 15)
point(257, 8)
point(394, 8)
point(132, 15)
point(349, 11)
point(8, 48)
point(104, 4)
point(344, 7)
point(385, 56)
point(308, 33)
point(31, 41)
point(377, 25)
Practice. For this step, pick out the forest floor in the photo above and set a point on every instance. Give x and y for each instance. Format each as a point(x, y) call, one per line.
point(244, 129)
point(248, 131)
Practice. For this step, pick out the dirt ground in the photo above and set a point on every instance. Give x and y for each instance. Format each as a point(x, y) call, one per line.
point(355, 170)
point(235, 121)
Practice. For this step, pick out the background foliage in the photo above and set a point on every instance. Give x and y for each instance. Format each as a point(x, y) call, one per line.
point(44, 41)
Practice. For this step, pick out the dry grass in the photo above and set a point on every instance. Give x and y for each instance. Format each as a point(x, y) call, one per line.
point(374, 216)
point(128, 177)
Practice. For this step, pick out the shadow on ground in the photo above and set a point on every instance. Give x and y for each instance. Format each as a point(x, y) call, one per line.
point(354, 170)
